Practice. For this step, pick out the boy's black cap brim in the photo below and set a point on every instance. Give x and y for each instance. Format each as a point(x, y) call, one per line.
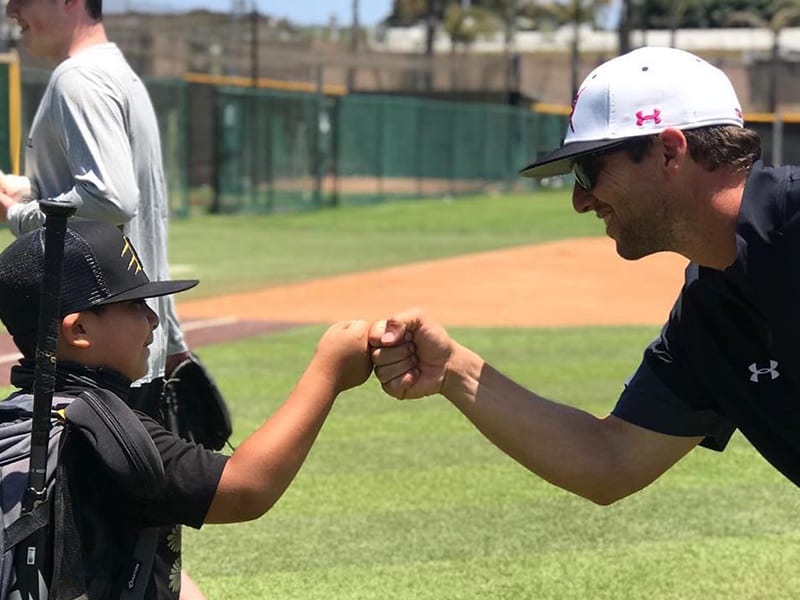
point(151, 289)
point(559, 161)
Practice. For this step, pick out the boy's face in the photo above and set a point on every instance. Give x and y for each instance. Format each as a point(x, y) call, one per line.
point(120, 335)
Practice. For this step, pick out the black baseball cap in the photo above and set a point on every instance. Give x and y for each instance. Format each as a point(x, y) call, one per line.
point(101, 267)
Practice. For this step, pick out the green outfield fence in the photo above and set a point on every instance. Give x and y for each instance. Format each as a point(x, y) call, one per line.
point(278, 150)
point(273, 149)
point(233, 145)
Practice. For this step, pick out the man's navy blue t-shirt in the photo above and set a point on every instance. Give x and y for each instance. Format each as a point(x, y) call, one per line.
point(728, 357)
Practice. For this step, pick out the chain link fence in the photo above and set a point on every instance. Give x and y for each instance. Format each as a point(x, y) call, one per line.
point(289, 150)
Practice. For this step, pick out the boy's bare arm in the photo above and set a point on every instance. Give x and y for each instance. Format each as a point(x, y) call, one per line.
point(264, 465)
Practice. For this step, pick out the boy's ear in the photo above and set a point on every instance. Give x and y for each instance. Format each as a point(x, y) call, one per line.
point(73, 333)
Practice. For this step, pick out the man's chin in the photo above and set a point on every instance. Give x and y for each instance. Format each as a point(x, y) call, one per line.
point(629, 253)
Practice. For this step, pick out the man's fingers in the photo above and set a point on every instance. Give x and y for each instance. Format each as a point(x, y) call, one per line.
point(399, 387)
point(391, 354)
point(394, 370)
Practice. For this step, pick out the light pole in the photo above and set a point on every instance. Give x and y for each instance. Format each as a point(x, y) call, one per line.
point(354, 39)
point(254, 18)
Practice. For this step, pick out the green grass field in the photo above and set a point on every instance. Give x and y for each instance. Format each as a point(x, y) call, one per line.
point(407, 500)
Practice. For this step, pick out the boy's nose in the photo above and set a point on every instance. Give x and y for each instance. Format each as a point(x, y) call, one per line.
point(152, 317)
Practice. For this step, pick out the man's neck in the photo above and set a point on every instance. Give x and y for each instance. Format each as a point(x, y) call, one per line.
point(85, 36)
point(714, 232)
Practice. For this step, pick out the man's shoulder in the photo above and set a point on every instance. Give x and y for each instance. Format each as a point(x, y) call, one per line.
point(99, 63)
point(770, 202)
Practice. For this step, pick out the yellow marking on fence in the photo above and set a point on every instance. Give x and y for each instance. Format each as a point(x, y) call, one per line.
point(552, 109)
point(14, 108)
point(265, 83)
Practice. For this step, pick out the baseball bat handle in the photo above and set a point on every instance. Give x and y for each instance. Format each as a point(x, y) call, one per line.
point(56, 215)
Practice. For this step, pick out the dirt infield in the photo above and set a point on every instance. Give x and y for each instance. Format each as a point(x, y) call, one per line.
point(565, 283)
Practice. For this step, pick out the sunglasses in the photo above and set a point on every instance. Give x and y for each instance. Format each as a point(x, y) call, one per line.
point(586, 168)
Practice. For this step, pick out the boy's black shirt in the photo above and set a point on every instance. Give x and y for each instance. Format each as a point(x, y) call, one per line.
point(109, 519)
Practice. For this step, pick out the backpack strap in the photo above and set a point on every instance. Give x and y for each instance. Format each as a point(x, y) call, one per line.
point(144, 555)
point(120, 441)
point(26, 525)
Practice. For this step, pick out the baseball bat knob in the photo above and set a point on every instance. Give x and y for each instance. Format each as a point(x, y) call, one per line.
point(57, 209)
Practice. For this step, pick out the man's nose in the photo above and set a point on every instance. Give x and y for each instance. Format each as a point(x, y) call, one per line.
point(582, 201)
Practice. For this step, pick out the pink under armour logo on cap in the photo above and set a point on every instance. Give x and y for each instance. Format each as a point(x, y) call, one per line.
point(642, 118)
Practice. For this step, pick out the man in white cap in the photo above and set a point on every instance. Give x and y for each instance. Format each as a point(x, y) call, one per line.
point(659, 152)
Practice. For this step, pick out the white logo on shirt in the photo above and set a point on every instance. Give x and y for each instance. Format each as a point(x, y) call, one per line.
point(772, 371)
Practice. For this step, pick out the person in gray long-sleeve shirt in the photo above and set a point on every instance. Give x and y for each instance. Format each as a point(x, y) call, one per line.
point(95, 140)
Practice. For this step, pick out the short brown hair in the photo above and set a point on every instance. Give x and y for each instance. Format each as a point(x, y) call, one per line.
point(713, 147)
point(736, 148)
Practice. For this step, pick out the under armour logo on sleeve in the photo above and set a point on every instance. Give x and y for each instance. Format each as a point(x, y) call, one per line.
point(771, 371)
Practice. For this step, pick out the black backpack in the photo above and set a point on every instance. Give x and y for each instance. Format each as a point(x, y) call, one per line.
point(123, 446)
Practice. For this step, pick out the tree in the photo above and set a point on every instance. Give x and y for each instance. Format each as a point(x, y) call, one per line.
point(577, 12)
point(699, 14)
point(408, 12)
point(465, 25)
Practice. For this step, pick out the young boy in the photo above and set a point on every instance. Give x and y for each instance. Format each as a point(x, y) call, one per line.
point(104, 334)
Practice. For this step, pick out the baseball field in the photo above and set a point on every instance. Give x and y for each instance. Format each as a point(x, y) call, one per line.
point(406, 499)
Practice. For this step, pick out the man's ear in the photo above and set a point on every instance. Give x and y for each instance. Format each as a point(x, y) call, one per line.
point(674, 144)
point(73, 333)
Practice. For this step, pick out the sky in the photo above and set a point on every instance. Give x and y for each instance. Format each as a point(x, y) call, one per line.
point(301, 12)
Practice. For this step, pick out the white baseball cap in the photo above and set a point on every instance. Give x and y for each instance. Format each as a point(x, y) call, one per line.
point(641, 93)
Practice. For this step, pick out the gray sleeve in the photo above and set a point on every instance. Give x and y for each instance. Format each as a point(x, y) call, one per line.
point(24, 217)
point(89, 119)
point(175, 340)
